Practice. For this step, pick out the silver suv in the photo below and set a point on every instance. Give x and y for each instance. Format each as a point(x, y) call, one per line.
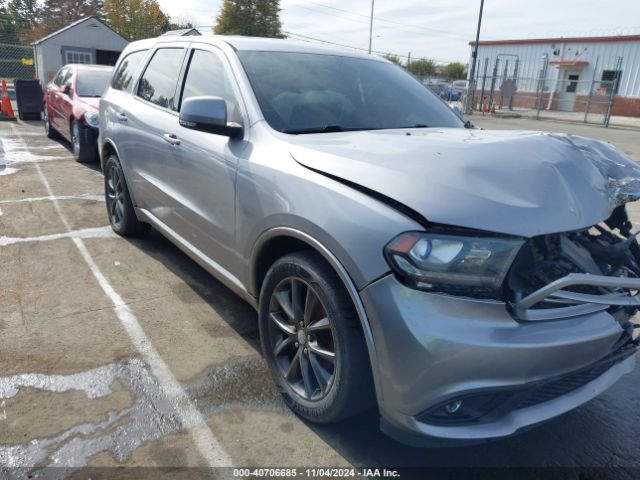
point(467, 283)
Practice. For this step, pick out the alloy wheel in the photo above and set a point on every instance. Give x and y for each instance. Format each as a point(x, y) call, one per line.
point(47, 127)
point(302, 340)
point(115, 195)
point(75, 139)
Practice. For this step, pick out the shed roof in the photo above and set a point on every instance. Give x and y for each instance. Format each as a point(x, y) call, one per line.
point(529, 41)
point(185, 32)
point(74, 24)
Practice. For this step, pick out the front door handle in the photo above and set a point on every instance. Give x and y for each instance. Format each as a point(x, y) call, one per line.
point(171, 138)
point(121, 117)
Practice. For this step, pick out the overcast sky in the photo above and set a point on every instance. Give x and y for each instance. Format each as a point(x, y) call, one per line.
point(437, 29)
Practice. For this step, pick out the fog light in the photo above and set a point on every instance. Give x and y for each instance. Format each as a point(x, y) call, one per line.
point(453, 407)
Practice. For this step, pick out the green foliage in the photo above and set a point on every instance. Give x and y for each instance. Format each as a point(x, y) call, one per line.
point(8, 30)
point(392, 58)
point(58, 14)
point(422, 67)
point(136, 19)
point(454, 71)
point(253, 18)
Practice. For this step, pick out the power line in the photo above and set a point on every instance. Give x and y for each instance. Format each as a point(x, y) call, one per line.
point(378, 52)
point(435, 30)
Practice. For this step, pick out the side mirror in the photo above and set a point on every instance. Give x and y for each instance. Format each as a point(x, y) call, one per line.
point(66, 89)
point(208, 114)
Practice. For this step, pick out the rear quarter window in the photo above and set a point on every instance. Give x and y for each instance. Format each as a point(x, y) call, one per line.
point(123, 76)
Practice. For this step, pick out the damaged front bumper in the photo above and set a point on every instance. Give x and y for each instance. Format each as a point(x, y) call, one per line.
point(434, 351)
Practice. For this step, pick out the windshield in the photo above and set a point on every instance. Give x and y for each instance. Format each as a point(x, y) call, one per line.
point(308, 93)
point(92, 83)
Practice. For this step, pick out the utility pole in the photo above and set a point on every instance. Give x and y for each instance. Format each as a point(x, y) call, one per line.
point(474, 57)
point(409, 61)
point(371, 26)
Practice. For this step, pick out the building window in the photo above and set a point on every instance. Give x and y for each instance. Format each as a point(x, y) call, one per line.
point(72, 56)
point(611, 78)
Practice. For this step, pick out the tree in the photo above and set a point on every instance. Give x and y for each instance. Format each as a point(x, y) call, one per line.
point(422, 67)
point(392, 58)
point(60, 13)
point(454, 71)
point(26, 18)
point(8, 30)
point(253, 18)
point(136, 19)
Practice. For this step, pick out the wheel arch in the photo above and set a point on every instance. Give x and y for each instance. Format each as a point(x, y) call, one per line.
point(280, 241)
point(107, 149)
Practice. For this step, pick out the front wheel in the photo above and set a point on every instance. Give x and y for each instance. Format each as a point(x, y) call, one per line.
point(312, 340)
point(83, 141)
point(122, 216)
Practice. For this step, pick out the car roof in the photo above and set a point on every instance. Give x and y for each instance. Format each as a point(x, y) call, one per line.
point(89, 67)
point(240, 43)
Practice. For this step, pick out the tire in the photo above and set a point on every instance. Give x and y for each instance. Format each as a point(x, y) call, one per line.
point(83, 143)
point(333, 390)
point(48, 129)
point(122, 216)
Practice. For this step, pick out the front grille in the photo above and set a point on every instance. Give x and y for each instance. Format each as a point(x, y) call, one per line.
point(543, 392)
point(564, 385)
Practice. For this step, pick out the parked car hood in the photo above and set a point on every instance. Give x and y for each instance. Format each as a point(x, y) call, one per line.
point(92, 103)
point(517, 183)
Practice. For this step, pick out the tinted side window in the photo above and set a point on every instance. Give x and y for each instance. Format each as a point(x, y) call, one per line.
point(158, 83)
point(206, 77)
point(123, 77)
point(59, 76)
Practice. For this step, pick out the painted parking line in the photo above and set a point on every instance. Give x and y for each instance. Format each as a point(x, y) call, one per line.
point(193, 421)
point(84, 196)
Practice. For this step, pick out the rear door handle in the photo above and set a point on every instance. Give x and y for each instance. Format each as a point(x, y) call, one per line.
point(171, 138)
point(121, 117)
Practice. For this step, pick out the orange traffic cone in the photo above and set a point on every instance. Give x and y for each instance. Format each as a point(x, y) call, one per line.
point(6, 111)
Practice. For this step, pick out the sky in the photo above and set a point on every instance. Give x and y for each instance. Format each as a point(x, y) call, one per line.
point(435, 29)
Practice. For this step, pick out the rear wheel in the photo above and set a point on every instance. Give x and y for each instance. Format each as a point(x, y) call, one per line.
point(312, 340)
point(48, 129)
point(122, 216)
point(83, 142)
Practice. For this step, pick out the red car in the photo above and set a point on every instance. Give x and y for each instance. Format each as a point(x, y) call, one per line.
point(71, 106)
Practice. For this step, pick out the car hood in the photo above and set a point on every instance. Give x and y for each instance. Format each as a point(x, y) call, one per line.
point(90, 103)
point(517, 183)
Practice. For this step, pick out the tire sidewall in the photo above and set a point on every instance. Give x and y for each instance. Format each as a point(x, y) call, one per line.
point(113, 162)
point(324, 409)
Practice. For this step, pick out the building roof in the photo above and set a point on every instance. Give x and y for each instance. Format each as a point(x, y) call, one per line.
point(529, 41)
point(74, 24)
point(185, 32)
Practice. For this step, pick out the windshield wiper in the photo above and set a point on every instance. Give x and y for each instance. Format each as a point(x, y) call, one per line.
point(324, 129)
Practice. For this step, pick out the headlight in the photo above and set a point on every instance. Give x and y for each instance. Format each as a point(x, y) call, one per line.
point(474, 266)
point(92, 119)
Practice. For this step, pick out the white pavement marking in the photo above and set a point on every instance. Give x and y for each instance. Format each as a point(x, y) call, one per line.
point(206, 442)
point(84, 196)
point(98, 232)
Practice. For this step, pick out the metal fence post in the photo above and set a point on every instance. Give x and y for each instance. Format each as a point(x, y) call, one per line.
point(612, 92)
point(593, 84)
point(493, 82)
point(541, 83)
point(484, 81)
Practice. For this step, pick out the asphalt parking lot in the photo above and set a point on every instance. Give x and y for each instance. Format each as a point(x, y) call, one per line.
point(119, 352)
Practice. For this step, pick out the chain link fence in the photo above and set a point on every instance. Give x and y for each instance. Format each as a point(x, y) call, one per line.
point(563, 96)
point(16, 62)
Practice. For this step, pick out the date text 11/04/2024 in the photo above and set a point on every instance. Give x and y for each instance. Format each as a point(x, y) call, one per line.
point(316, 473)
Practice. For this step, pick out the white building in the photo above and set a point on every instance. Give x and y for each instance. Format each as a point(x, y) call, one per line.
point(575, 67)
point(88, 40)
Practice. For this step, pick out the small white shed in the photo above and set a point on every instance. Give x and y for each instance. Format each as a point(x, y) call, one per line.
point(88, 40)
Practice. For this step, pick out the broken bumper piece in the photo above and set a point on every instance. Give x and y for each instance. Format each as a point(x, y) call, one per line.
point(575, 303)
